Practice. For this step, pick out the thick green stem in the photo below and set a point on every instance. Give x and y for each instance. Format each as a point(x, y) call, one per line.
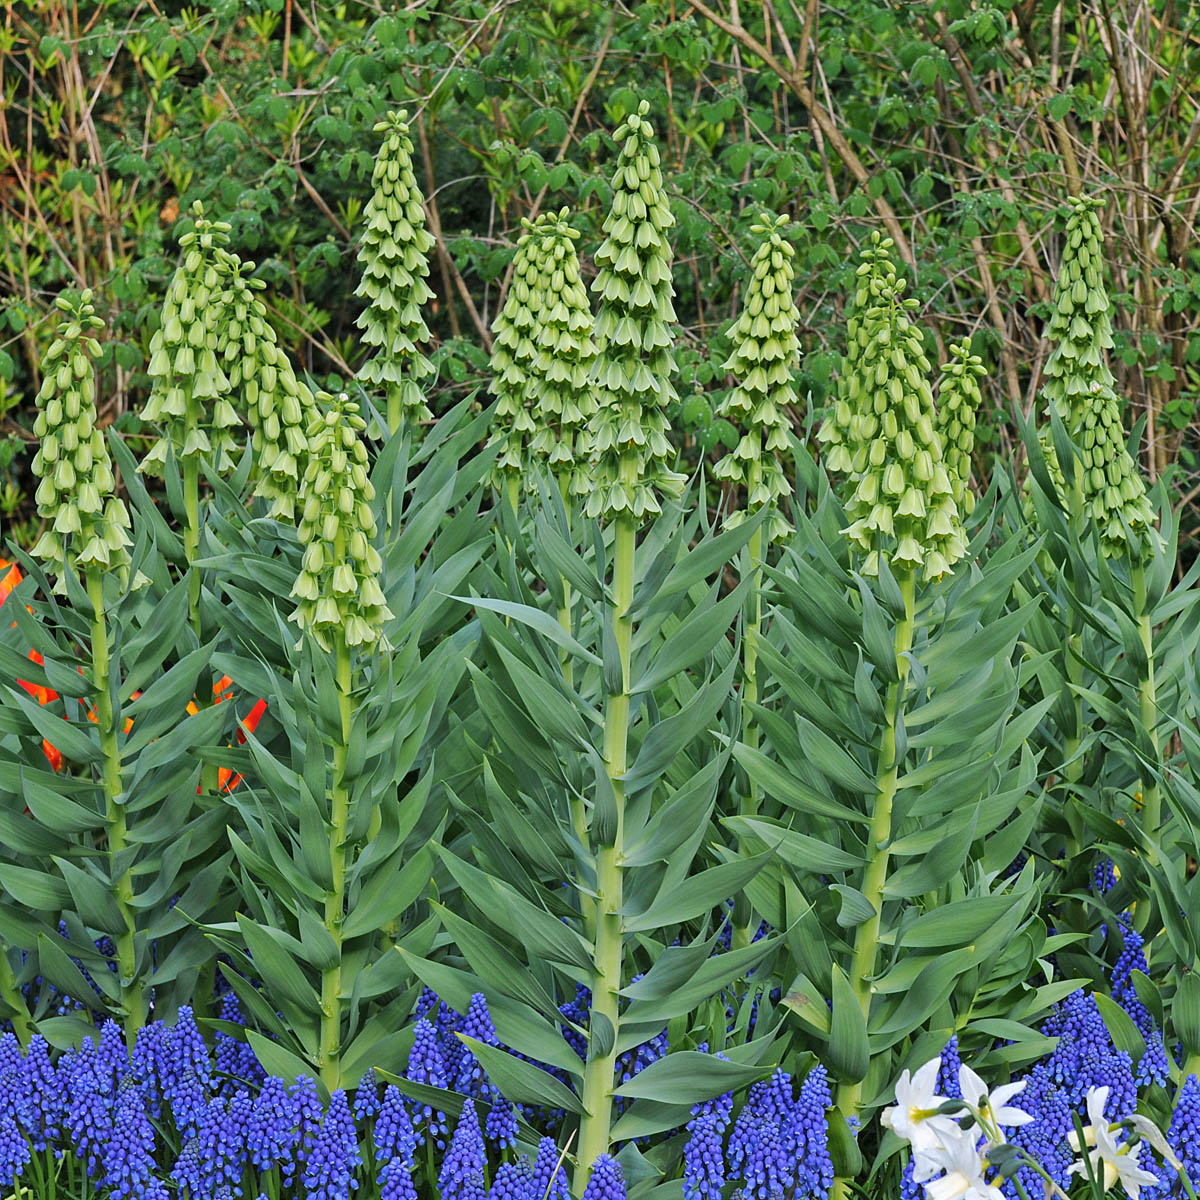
point(743, 930)
point(600, 1071)
point(209, 777)
point(329, 1053)
point(133, 1000)
point(395, 410)
point(879, 837)
point(1148, 709)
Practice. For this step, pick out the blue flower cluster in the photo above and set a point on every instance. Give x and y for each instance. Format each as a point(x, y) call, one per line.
point(778, 1145)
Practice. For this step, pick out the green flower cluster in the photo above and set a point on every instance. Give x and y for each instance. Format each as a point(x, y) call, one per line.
point(542, 357)
point(394, 260)
point(189, 394)
point(277, 405)
point(88, 523)
point(842, 432)
point(902, 507)
point(959, 398)
point(766, 352)
point(338, 585)
point(634, 362)
point(1081, 389)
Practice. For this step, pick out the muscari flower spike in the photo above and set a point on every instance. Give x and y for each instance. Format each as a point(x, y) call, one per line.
point(338, 585)
point(188, 399)
point(634, 362)
point(88, 523)
point(542, 358)
point(278, 406)
point(394, 260)
point(959, 398)
point(766, 352)
point(902, 507)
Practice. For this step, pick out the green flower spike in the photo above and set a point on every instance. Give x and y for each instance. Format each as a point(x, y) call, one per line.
point(1080, 324)
point(542, 357)
point(959, 398)
point(394, 260)
point(277, 404)
point(338, 585)
point(903, 505)
point(841, 432)
point(634, 363)
point(1114, 492)
point(766, 351)
point(88, 523)
point(188, 396)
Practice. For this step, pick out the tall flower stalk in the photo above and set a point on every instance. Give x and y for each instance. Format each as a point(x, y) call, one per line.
point(87, 534)
point(765, 355)
point(633, 371)
point(903, 517)
point(394, 257)
point(341, 607)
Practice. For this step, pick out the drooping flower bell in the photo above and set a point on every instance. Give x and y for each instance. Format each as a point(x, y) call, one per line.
point(88, 523)
point(766, 352)
point(338, 585)
point(394, 259)
point(841, 433)
point(1080, 322)
point(958, 400)
point(277, 405)
point(1079, 386)
point(634, 362)
point(902, 507)
point(189, 396)
point(542, 357)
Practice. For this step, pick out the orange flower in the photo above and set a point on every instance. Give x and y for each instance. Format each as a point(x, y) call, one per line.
point(222, 689)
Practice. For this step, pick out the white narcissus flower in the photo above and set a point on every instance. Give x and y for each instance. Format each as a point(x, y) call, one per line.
point(1111, 1161)
point(915, 1117)
point(992, 1107)
point(959, 1157)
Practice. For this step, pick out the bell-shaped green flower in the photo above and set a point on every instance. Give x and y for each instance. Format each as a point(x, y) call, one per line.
point(542, 358)
point(1080, 387)
point(88, 523)
point(959, 398)
point(1114, 492)
point(394, 259)
point(188, 398)
point(1080, 322)
point(337, 590)
point(902, 507)
point(841, 432)
point(766, 352)
point(634, 362)
point(278, 406)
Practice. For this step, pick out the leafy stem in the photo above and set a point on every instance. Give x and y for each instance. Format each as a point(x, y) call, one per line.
point(608, 942)
point(866, 939)
point(335, 899)
point(133, 1000)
